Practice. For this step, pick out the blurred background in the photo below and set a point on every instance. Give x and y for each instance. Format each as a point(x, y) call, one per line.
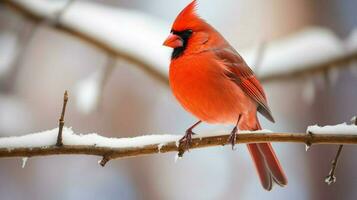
point(115, 97)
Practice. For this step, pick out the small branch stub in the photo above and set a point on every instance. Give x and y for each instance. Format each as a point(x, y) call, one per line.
point(104, 160)
point(308, 142)
point(331, 178)
point(59, 142)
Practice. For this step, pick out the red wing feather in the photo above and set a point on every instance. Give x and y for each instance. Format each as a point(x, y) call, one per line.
point(244, 77)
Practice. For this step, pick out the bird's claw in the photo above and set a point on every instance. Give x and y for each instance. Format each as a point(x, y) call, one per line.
point(185, 142)
point(233, 137)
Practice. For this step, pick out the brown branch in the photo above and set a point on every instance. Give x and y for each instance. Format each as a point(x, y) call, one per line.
point(90, 40)
point(340, 62)
point(109, 153)
point(59, 142)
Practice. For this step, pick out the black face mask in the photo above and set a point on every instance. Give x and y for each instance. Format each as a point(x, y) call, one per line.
point(185, 36)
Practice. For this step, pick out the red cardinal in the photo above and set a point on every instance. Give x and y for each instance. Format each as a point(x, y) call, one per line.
point(213, 82)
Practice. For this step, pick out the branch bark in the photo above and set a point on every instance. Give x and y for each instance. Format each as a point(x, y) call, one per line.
point(61, 120)
point(110, 153)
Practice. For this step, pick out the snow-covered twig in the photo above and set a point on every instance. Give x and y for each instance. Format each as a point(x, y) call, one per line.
point(44, 143)
point(47, 142)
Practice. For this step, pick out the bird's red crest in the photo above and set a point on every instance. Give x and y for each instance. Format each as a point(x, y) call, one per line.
point(188, 18)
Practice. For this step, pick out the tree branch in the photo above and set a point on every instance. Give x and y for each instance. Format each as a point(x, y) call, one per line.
point(338, 62)
point(61, 120)
point(88, 39)
point(109, 153)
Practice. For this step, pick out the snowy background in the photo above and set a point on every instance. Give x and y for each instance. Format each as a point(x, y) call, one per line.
point(38, 62)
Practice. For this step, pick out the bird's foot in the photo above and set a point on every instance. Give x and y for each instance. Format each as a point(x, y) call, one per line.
point(185, 142)
point(233, 137)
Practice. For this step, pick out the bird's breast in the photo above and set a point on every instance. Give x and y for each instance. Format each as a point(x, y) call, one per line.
point(199, 84)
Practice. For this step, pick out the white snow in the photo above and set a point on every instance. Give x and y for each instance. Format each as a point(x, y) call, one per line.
point(307, 147)
point(303, 49)
point(334, 129)
point(124, 31)
point(48, 138)
point(127, 32)
point(42, 8)
point(24, 161)
point(88, 92)
point(159, 146)
point(330, 179)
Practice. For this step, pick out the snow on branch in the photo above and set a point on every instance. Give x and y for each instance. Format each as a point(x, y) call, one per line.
point(119, 32)
point(116, 31)
point(63, 140)
point(44, 143)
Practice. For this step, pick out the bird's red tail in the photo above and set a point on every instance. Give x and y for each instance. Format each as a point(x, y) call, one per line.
point(267, 164)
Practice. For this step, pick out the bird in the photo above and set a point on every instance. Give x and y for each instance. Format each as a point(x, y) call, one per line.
point(212, 81)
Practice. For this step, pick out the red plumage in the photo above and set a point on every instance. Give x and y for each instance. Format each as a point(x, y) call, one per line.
point(213, 82)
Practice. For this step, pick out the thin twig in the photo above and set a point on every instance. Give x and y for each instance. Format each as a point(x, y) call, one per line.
point(104, 160)
point(59, 142)
point(331, 178)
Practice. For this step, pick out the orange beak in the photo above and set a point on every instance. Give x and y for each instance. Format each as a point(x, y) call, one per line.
point(173, 41)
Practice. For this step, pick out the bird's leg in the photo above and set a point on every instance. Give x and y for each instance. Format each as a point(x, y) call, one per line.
point(233, 137)
point(186, 140)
